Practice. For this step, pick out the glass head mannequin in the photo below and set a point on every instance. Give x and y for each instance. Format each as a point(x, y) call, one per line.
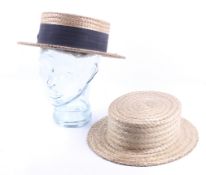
point(67, 76)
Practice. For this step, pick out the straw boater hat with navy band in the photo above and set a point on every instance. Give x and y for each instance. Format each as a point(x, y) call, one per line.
point(73, 33)
point(143, 129)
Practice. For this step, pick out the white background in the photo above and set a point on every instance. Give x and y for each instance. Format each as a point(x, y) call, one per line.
point(165, 45)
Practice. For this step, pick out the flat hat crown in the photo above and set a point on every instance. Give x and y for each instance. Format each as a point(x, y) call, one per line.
point(144, 121)
point(75, 21)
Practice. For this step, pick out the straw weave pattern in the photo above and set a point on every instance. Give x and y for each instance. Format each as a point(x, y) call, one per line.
point(152, 121)
point(75, 21)
point(143, 129)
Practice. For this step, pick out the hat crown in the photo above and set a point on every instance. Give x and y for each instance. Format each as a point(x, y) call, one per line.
point(146, 121)
point(75, 21)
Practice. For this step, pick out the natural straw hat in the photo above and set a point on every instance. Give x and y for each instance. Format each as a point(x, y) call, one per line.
point(73, 33)
point(143, 129)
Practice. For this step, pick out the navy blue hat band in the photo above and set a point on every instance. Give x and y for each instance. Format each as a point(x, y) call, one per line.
point(72, 37)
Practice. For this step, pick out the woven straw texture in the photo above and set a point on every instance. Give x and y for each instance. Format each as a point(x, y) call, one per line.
point(72, 49)
point(74, 21)
point(143, 129)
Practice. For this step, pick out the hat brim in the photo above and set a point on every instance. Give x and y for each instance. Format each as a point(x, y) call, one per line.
point(71, 49)
point(98, 143)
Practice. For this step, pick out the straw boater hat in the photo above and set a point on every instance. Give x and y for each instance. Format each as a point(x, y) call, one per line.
point(73, 33)
point(143, 129)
